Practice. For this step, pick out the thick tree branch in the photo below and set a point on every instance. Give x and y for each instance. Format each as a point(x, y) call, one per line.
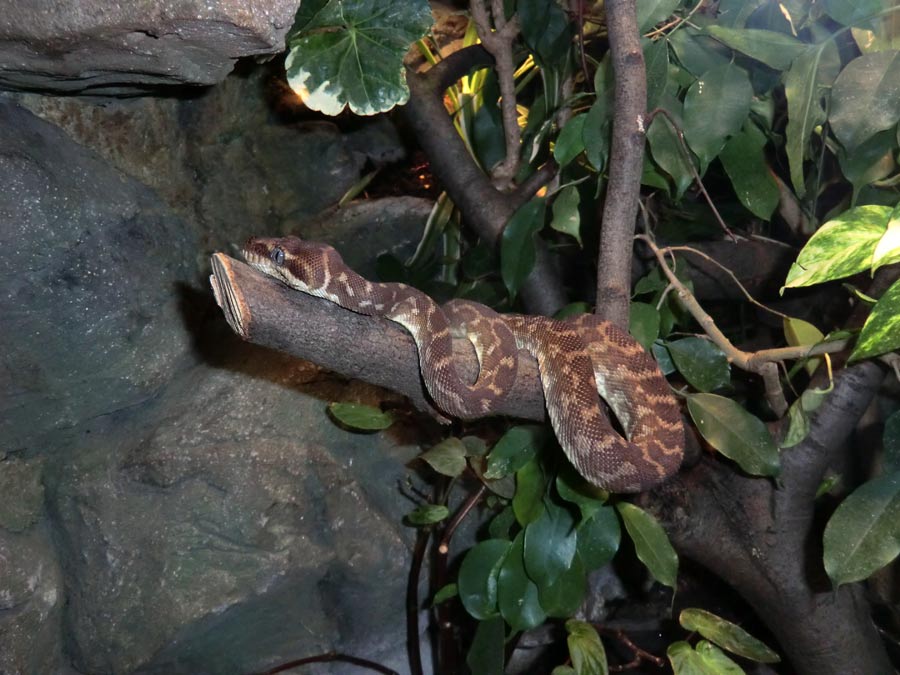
point(765, 539)
point(626, 161)
point(484, 208)
point(378, 351)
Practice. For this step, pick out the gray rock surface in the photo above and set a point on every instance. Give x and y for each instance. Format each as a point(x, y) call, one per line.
point(115, 48)
point(182, 502)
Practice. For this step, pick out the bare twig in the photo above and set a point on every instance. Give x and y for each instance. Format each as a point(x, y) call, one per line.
point(329, 657)
point(640, 655)
point(413, 647)
point(626, 163)
point(763, 362)
point(462, 512)
point(686, 155)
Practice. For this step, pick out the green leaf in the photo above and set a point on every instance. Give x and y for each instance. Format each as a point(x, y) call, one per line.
point(773, 48)
point(517, 249)
point(798, 415)
point(569, 143)
point(663, 358)
point(477, 581)
point(735, 433)
point(447, 457)
point(573, 488)
point(841, 247)
point(599, 538)
point(698, 53)
point(595, 134)
point(892, 443)
point(564, 596)
point(545, 29)
point(870, 161)
point(727, 635)
point(744, 160)
point(853, 12)
point(475, 446)
point(887, 251)
point(586, 649)
point(566, 218)
point(804, 85)
point(360, 417)
point(865, 98)
point(502, 523)
point(444, 594)
point(667, 149)
point(517, 594)
point(863, 534)
point(486, 655)
point(715, 660)
point(650, 543)
point(487, 125)
point(530, 487)
point(715, 108)
point(643, 323)
point(427, 514)
point(350, 52)
point(515, 449)
point(550, 543)
point(651, 12)
point(656, 62)
point(563, 670)
point(881, 332)
point(703, 364)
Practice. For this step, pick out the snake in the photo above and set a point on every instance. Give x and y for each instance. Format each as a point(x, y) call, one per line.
point(581, 360)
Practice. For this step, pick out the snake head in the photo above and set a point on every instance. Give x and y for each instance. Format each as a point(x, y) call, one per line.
point(297, 263)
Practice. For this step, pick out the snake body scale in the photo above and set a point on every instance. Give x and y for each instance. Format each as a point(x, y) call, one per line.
point(577, 359)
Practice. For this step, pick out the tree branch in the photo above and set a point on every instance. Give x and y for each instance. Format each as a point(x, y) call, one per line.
point(626, 162)
point(484, 208)
point(375, 350)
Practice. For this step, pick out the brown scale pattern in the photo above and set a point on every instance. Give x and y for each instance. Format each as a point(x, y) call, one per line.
point(579, 360)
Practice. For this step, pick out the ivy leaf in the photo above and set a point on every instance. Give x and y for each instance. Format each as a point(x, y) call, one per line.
point(881, 332)
point(586, 649)
point(841, 247)
point(530, 486)
point(566, 218)
point(447, 457)
point(703, 364)
point(517, 248)
point(727, 635)
point(715, 108)
point(486, 655)
point(477, 581)
point(427, 514)
point(350, 52)
point(735, 433)
point(514, 450)
point(550, 543)
point(771, 47)
point(805, 82)
point(569, 143)
point(643, 323)
point(360, 417)
point(744, 160)
point(517, 594)
point(599, 538)
point(563, 597)
point(863, 534)
point(865, 98)
point(650, 543)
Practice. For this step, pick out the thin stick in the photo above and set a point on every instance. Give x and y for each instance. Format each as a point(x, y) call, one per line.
point(327, 658)
point(413, 648)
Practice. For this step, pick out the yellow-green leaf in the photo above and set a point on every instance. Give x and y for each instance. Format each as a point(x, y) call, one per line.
point(735, 433)
point(447, 457)
point(727, 635)
point(881, 332)
point(841, 247)
point(887, 251)
point(360, 417)
point(586, 649)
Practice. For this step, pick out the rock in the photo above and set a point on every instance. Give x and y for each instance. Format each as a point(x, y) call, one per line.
point(95, 47)
point(92, 263)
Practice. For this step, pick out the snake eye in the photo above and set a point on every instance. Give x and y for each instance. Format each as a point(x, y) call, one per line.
point(277, 256)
